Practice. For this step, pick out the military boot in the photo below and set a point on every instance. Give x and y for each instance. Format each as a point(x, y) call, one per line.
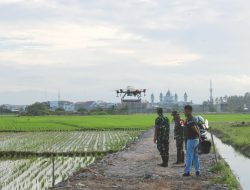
point(164, 162)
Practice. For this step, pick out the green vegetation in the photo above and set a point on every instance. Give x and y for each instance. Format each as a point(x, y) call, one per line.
point(224, 176)
point(71, 123)
point(233, 129)
point(35, 173)
point(72, 141)
point(37, 109)
point(227, 117)
point(236, 135)
point(67, 142)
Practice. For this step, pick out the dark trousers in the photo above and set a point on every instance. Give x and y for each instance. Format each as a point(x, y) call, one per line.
point(180, 152)
point(163, 147)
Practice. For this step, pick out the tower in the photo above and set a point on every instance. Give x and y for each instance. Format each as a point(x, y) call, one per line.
point(211, 92)
point(152, 98)
point(59, 97)
point(161, 97)
point(185, 97)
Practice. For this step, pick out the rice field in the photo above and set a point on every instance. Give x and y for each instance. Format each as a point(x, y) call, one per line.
point(77, 141)
point(73, 123)
point(33, 173)
point(58, 142)
point(36, 173)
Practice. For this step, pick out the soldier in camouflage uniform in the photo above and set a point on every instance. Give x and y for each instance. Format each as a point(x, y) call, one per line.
point(179, 136)
point(161, 136)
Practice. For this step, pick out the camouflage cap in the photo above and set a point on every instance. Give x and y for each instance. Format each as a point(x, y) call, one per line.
point(159, 110)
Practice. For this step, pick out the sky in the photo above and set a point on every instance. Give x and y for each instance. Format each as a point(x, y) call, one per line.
point(89, 48)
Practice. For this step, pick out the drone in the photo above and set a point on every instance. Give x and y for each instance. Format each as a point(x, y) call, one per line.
point(131, 94)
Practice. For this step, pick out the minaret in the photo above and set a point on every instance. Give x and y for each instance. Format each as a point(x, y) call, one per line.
point(161, 97)
point(185, 97)
point(152, 98)
point(211, 92)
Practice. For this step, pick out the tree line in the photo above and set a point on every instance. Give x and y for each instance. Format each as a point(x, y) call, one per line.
point(42, 109)
point(235, 103)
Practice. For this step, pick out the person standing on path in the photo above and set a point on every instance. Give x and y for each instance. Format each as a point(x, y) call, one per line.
point(161, 136)
point(179, 136)
point(192, 135)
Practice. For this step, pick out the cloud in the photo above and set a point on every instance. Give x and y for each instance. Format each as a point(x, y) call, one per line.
point(166, 54)
point(84, 46)
point(83, 43)
point(60, 43)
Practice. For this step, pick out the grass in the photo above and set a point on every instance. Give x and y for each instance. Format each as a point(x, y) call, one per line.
point(221, 123)
point(238, 137)
point(224, 176)
point(227, 117)
point(229, 129)
point(70, 123)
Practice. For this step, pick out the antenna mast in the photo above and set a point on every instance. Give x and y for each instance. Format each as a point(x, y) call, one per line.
point(211, 92)
point(59, 97)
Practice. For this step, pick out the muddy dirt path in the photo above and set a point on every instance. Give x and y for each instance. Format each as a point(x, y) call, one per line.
point(136, 168)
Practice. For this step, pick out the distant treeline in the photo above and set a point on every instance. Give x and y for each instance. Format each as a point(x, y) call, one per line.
point(236, 103)
point(40, 109)
point(5, 111)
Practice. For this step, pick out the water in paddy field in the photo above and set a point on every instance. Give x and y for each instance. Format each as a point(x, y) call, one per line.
point(239, 164)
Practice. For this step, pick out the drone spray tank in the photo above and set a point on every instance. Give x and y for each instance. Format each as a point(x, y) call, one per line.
point(131, 94)
point(131, 98)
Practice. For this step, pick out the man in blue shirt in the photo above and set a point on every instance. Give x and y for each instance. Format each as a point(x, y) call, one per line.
point(192, 135)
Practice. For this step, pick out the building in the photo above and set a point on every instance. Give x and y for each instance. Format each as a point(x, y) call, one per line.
point(88, 105)
point(66, 105)
point(221, 105)
point(53, 105)
point(169, 99)
point(14, 108)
